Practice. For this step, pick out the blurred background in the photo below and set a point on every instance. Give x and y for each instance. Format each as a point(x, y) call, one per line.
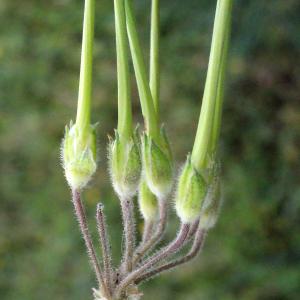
point(254, 252)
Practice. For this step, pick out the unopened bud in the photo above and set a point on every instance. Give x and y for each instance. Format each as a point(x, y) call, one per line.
point(157, 165)
point(125, 165)
point(147, 203)
point(211, 206)
point(190, 194)
point(79, 155)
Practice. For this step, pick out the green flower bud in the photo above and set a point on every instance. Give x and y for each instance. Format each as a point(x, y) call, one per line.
point(157, 165)
point(125, 165)
point(147, 203)
point(190, 194)
point(79, 155)
point(211, 206)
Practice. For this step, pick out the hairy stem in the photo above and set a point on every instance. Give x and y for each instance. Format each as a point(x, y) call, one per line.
point(129, 233)
point(194, 251)
point(172, 248)
point(105, 245)
point(81, 217)
point(154, 240)
point(147, 232)
point(193, 229)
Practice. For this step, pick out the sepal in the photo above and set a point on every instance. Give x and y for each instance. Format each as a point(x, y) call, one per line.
point(190, 193)
point(157, 164)
point(79, 155)
point(125, 165)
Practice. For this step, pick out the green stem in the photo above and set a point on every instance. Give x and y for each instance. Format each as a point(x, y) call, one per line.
point(85, 81)
point(154, 55)
point(146, 100)
point(124, 101)
point(220, 92)
point(205, 125)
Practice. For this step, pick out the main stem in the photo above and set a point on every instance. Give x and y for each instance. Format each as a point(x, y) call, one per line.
point(85, 80)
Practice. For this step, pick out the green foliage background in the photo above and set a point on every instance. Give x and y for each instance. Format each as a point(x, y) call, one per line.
point(254, 252)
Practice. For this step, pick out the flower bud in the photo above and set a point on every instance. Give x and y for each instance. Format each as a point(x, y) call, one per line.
point(190, 194)
point(125, 165)
point(79, 155)
point(211, 206)
point(157, 165)
point(147, 203)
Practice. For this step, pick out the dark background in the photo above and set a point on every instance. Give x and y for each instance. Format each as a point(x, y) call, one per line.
point(254, 252)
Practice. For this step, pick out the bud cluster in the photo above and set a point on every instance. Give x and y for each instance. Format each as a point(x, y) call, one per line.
point(142, 164)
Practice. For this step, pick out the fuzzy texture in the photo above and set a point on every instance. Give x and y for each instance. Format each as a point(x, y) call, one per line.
point(212, 205)
point(79, 155)
point(124, 165)
point(197, 209)
point(105, 245)
point(148, 204)
point(98, 295)
point(157, 235)
point(190, 193)
point(129, 233)
point(157, 165)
